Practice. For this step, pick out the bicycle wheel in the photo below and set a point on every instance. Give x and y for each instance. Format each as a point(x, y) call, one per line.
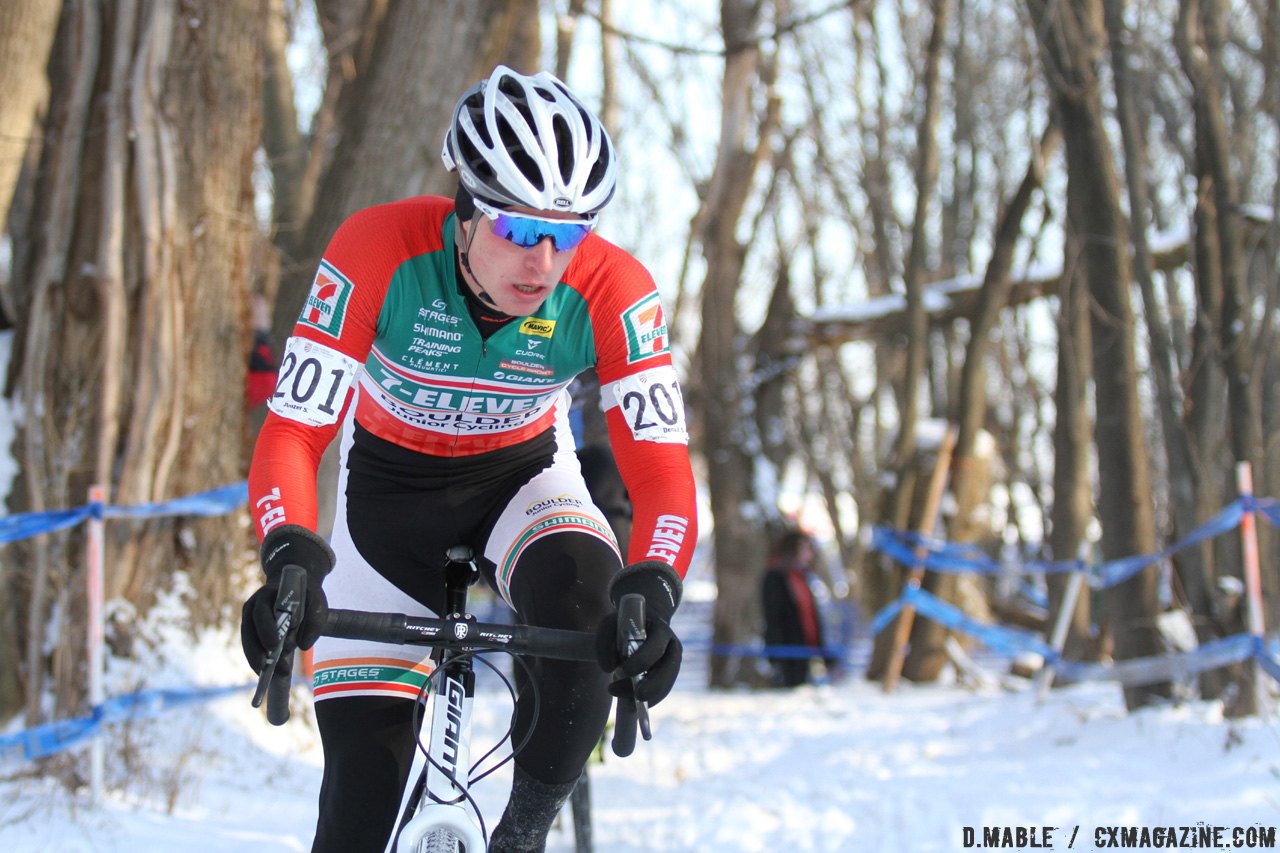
point(442, 841)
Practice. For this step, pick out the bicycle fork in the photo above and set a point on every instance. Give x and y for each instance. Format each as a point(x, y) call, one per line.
point(445, 809)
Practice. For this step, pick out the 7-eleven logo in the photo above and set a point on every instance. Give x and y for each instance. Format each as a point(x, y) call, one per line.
point(645, 326)
point(326, 305)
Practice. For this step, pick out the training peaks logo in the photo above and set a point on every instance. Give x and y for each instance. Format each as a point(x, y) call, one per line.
point(326, 305)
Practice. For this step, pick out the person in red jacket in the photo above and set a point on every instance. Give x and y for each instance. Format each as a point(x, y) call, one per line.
point(792, 619)
point(439, 339)
point(260, 381)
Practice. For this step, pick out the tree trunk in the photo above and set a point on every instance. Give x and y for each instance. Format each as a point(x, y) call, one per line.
point(1070, 36)
point(1180, 464)
point(139, 289)
point(1219, 251)
point(27, 28)
point(927, 638)
point(391, 134)
point(970, 479)
point(739, 535)
point(1072, 505)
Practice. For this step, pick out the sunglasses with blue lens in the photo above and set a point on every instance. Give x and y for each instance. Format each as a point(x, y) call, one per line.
point(527, 231)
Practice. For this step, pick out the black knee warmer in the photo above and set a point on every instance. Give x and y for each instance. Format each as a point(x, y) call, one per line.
point(368, 750)
point(562, 581)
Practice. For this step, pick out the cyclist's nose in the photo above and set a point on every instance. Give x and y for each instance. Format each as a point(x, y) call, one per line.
point(542, 256)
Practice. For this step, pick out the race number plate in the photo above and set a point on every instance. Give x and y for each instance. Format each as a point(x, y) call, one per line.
point(650, 401)
point(312, 385)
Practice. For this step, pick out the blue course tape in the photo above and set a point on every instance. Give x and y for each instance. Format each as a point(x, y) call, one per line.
point(217, 501)
point(1269, 663)
point(912, 549)
point(1168, 667)
point(48, 738)
point(999, 638)
point(1011, 642)
point(27, 524)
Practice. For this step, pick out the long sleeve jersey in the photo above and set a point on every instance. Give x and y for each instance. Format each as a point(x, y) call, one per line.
point(385, 329)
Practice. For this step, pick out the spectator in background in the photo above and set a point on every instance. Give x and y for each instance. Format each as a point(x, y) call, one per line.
point(260, 382)
point(791, 615)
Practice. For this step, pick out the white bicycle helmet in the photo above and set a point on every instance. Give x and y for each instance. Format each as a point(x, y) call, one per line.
point(527, 141)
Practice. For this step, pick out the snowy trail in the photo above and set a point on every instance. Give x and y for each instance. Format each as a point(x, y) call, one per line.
point(828, 768)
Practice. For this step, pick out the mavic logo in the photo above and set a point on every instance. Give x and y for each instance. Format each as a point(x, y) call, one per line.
point(539, 326)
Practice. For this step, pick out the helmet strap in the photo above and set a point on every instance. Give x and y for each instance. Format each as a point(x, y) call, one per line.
point(464, 251)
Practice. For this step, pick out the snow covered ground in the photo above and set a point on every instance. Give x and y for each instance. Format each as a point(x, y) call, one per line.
point(830, 768)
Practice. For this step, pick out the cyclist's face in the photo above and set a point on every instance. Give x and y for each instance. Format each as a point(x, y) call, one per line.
point(518, 280)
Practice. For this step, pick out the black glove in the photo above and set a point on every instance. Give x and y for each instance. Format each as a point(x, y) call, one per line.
point(658, 657)
point(287, 545)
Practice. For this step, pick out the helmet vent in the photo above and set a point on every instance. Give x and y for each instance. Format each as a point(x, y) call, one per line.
point(525, 163)
point(564, 147)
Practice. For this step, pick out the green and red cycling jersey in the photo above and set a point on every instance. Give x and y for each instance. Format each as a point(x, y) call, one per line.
point(386, 336)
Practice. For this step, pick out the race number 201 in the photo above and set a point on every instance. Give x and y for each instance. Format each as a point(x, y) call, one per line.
point(652, 405)
point(312, 385)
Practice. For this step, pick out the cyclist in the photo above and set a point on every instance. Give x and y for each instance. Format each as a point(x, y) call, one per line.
point(439, 338)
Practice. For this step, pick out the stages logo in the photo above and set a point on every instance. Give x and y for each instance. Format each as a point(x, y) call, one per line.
point(326, 305)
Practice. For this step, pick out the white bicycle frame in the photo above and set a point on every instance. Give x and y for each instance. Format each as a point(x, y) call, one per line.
point(445, 807)
point(445, 817)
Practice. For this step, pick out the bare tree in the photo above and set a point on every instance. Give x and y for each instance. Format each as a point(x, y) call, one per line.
point(744, 136)
point(1182, 468)
point(905, 491)
point(1070, 36)
point(1219, 245)
point(386, 137)
point(27, 30)
point(134, 301)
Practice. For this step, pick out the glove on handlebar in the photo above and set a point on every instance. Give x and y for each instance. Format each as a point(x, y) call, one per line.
point(287, 545)
point(657, 659)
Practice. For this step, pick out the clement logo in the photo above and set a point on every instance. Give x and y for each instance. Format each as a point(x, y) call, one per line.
point(326, 305)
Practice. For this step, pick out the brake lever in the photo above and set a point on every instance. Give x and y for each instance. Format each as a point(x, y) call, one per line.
point(635, 637)
point(288, 606)
point(631, 711)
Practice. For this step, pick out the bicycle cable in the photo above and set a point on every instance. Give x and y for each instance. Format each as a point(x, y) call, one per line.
point(419, 709)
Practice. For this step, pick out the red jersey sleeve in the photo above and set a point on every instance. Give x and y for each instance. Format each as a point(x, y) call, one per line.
point(640, 393)
point(323, 358)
